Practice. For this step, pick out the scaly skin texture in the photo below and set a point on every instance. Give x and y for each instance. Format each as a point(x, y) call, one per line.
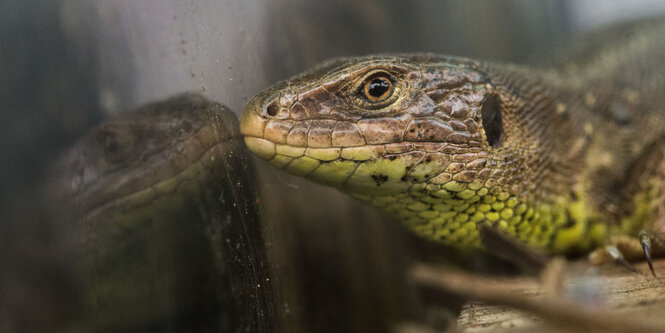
point(543, 154)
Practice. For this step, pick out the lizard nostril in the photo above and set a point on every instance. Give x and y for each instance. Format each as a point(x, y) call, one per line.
point(272, 109)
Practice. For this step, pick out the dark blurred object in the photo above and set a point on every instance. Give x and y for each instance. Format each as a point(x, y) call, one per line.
point(158, 211)
point(504, 246)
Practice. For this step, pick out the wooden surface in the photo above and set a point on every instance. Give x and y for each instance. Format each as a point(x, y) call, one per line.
point(611, 290)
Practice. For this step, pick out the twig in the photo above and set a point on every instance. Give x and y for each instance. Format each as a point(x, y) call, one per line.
point(556, 311)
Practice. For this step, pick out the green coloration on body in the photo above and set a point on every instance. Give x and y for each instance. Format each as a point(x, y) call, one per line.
point(449, 144)
point(645, 203)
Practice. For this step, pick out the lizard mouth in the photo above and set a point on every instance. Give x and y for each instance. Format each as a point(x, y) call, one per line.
point(195, 172)
point(368, 168)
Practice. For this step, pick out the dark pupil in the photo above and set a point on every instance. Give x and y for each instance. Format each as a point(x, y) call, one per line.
point(378, 87)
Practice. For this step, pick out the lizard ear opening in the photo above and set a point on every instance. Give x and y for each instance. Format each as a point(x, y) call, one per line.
point(491, 119)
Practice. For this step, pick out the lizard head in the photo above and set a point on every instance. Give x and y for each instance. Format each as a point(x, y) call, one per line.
point(443, 143)
point(385, 124)
point(130, 160)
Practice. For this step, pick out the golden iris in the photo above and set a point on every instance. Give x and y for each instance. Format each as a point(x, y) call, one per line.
point(377, 88)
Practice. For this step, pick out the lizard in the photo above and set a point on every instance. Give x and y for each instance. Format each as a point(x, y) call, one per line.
point(565, 159)
point(146, 204)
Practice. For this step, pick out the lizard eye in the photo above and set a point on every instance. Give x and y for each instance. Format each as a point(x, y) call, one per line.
point(117, 145)
point(376, 90)
point(378, 87)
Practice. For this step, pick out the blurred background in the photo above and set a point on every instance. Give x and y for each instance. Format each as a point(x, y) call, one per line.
point(68, 64)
